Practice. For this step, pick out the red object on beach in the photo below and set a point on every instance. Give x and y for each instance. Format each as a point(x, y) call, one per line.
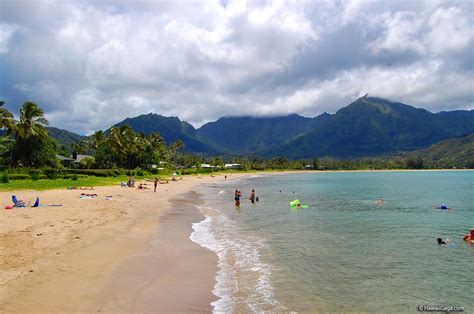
point(8, 207)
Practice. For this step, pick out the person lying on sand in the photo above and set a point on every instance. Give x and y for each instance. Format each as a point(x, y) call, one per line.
point(80, 188)
point(142, 186)
point(86, 188)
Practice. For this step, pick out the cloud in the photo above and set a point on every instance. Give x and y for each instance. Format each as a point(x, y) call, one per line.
point(90, 64)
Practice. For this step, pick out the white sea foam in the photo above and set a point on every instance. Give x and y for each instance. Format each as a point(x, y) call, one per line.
point(242, 280)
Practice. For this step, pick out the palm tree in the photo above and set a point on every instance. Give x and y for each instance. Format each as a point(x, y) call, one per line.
point(97, 139)
point(32, 123)
point(32, 147)
point(158, 145)
point(6, 118)
point(175, 147)
point(122, 142)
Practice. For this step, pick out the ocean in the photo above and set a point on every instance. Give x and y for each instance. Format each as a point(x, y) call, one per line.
point(346, 251)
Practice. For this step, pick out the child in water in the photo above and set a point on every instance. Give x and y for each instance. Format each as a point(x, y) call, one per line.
point(237, 196)
point(252, 197)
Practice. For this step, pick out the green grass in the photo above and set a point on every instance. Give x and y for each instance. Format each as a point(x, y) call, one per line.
point(87, 181)
point(45, 184)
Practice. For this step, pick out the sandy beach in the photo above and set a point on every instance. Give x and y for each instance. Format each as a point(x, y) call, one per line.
point(127, 250)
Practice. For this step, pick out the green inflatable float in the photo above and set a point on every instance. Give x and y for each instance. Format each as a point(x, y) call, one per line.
point(297, 204)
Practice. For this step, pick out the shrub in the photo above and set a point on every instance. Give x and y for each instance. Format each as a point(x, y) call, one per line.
point(34, 176)
point(19, 176)
point(94, 172)
point(87, 163)
point(4, 178)
point(51, 173)
point(74, 177)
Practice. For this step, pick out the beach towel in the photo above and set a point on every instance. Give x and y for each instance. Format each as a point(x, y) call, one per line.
point(87, 196)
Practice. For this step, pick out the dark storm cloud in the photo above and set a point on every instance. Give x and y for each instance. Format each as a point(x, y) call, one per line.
point(90, 64)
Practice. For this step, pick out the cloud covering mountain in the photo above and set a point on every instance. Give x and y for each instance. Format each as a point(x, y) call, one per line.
point(90, 64)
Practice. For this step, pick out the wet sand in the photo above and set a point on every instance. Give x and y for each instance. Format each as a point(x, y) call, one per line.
point(174, 275)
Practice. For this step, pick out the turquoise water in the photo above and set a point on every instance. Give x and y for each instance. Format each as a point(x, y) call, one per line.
point(345, 252)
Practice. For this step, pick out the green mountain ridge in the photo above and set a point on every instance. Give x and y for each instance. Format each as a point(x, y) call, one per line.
point(368, 127)
point(171, 129)
point(64, 137)
point(374, 126)
point(457, 152)
point(247, 135)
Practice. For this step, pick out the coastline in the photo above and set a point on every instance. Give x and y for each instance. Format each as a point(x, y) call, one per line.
point(93, 254)
point(64, 259)
point(175, 274)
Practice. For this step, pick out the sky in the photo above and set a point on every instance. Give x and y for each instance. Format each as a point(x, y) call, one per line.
point(90, 64)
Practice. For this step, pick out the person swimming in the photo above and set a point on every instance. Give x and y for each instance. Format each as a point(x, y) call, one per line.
point(440, 241)
point(470, 236)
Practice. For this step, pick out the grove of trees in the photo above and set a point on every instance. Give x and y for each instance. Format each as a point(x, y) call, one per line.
point(25, 143)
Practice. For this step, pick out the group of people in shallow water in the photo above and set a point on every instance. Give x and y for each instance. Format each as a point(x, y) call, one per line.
point(238, 194)
point(469, 238)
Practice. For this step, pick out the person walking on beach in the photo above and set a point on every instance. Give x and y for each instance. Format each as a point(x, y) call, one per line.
point(252, 197)
point(237, 196)
point(155, 183)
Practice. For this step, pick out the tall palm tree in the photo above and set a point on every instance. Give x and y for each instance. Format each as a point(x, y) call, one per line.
point(179, 144)
point(158, 145)
point(122, 142)
point(32, 123)
point(97, 139)
point(6, 118)
point(32, 147)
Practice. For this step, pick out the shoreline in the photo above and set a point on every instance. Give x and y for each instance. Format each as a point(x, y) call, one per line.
point(62, 259)
point(89, 253)
point(174, 274)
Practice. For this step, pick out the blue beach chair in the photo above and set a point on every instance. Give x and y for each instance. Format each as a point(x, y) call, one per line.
point(16, 202)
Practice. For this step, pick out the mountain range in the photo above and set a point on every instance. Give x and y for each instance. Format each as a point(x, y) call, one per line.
point(369, 126)
point(453, 152)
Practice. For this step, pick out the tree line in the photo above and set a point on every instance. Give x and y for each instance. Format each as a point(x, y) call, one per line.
point(26, 143)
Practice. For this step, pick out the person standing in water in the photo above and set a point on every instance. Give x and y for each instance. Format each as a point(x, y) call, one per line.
point(252, 197)
point(237, 196)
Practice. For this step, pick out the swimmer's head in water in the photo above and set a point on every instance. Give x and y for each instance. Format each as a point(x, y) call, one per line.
point(440, 241)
